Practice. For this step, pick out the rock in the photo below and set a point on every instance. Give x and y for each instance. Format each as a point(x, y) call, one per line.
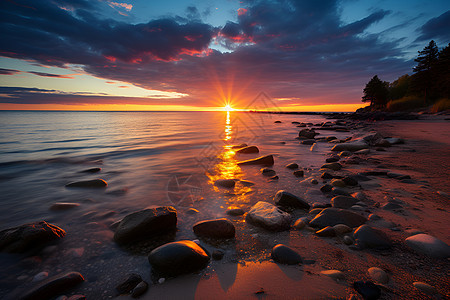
point(247, 183)
point(140, 289)
point(428, 245)
point(374, 217)
point(307, 133)
point(350, 180)
point(320, 205)
point(378, 275)
point(54, 286)
point(425, 288)
point(350, 146)
point(239, 146)
point(367, 289)
point(287, 199)
point(341, 229)
point(314, 181)
point(363, 151)
point(339, 191)
point(29, 236)
point(307, 142)
point(326, 188)
point(368, 237)
point(77, 297)
point(274, 178)
point(299, 173)
point(284, 255)
point(63, 206)
point(391, 206)
point(292, 166)
point(248, 150)
point(268, 216)
point(326, 175)
point(263, 160)
point(413, 231)
point(127, 285)
point(395, 141)
point(348, 240)
point(94, 183)
point(345, 153)
point(178, 258)
point(360, 196)
point(315, 211)
point(40, 276)
point(332, 159)
point(235, 211)
point(217, 254)
point(338, 182)
point(277, 122)
point(333, 216)
point(382, 143)
point(217, 229)
point(92, 170)
point(326, 232)
point(332, 166)
point(300, 223)
point(267, 172)
point(343, 201)
point(225, 183)
point(334, 274)
point(146, 224)
point(192, 211)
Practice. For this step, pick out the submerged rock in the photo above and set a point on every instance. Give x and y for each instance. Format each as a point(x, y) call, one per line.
point(178, 258)
point(248, 150)
point(284, 255)
point(146, 224)
point(225, 183)
point(292, 166)
point(368, 237)
point(219, 229)
point(94, 183)
point(287, 199)
point(28, 236)
point(54, 286)
point(268, 216)
point(263, 160)
point(428, 245)
point(333, 216)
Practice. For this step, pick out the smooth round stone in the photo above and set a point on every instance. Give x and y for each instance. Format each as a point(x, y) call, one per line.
point(40, 276)
point(345, 153)
point(292, 166)
point(326, 188)
point(284, 198)
point(368, 237)
point(343, 201)
point(348, 180)
point(235, 211)
point(178, 258)
point(219, 229)
point(332, 159)
point(348, 240)
point(333, 216)
point(140, 289)
point(284, 255)
point(425, 288)
point(338, 183)
point(326, 232)
point(341, 229)
point(315, 211)
point(314, 181)
point(326, 175)
point(378, 275)
point(334, 274)
point(225, 183)
point(54, 286)
point(300, 223)
point(274, 178)
point(374, 217)
point(428, 245)
point(268, 172)
point(367, 289)
point(268, 216)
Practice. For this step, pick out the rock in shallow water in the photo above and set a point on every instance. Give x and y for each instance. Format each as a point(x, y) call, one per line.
point(235, 211)
point(263, 160)
point(333, 216)
point(146, 224)
point(54, 286)
point(428, 245)
point(287, 199)
point(28, 236)
point(248, 150)
point(226, 183)
point(268, 216)
point(178, 258)
point(218, 229)
point(284, 255)
point(292, 166)
point(94, 183)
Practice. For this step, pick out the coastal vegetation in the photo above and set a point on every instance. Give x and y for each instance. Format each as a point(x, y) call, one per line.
point(427, 88)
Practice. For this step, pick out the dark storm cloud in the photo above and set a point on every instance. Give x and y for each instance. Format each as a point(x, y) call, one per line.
point(437, 28)
point(298, 49)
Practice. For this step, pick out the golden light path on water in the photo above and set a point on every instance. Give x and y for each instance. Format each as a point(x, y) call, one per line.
point(227, 167)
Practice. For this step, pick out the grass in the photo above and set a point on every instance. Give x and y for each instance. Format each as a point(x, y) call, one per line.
point(441, 105)
point(408, 103)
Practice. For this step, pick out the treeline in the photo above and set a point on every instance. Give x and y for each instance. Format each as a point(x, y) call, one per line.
point(428, 86)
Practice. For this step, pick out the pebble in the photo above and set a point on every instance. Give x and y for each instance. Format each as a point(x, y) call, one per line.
point(192, 211)
point(335, 166)
point(300, 223)
point(378, 275)
point(248, 150)
point(332, 159)
point(334, 274)
point(368, 237)
point(140, 289)
point(284, 198)
point(343, 201)
point(348, 240)
point(267, 172)
point(425, 288)
point(247, 183)
point(40, 276)
point(54, 286)
point(326, 175)
point(284, 255)
point(263, 160)
point(333, 216)
point(315, 211)
point(314, 181)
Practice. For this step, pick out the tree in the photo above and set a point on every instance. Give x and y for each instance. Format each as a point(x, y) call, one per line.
point(423, 79)
point(399, 88)
point(442, 73)
point(376, 91)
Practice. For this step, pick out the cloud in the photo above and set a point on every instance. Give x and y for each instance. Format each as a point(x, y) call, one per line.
point(8, 71)
point(436, 28)
point(51, 75)
point(299, 50)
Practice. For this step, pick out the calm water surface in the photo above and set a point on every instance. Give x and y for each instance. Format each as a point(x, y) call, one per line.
point(147, 158)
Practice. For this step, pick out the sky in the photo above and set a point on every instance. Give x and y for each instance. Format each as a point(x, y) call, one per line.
point(202, 55)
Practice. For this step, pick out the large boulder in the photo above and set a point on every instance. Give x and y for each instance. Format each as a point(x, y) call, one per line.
point(219, 229)
point(428, 245)
point(54, 286)
point(248, 150)
point(284, 255)
point(350, 146)
point(178, 258)
point(333, 216)
point(368, 237)
point(287, 199)
point(145, 224)
point(25, 237)
point(268, 216)
point(343, 201)
point(263, 160)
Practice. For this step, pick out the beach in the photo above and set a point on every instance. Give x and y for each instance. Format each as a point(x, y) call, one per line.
point(397, 187)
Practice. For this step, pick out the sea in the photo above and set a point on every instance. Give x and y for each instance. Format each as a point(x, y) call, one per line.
point(147, 159)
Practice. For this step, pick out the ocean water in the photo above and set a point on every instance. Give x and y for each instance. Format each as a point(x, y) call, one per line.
point(148, 159)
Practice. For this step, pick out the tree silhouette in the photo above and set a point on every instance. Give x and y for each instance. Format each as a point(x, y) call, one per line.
point(424, 77)
point(376, 91)
point(442, 73)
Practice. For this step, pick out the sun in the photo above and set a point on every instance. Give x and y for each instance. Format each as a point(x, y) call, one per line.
point(228, 108)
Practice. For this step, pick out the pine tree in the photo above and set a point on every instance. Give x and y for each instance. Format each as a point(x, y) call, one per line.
point(442, 73)
point(376, 91)
point(424, 77)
